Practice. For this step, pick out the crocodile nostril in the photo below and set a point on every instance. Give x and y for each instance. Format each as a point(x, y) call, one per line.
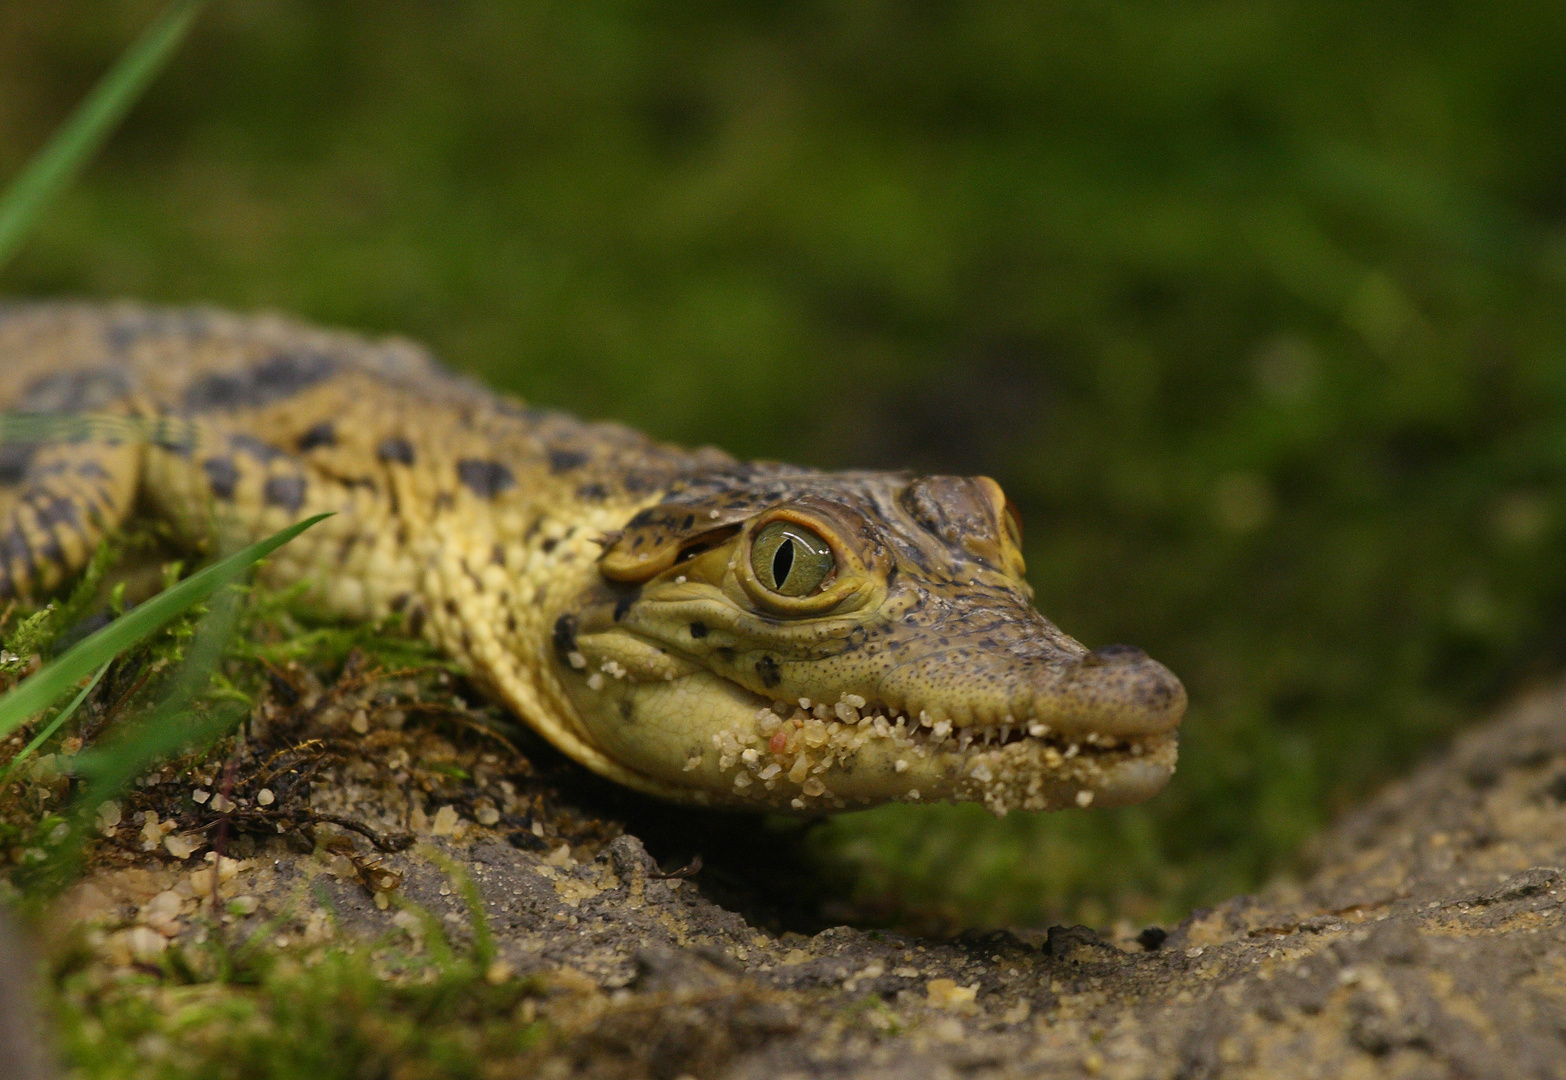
point(1114, 654)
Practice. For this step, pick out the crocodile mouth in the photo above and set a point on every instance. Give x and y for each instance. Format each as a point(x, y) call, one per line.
point(853, 752)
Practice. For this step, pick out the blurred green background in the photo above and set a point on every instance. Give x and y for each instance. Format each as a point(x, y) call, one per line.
point(1253, 307)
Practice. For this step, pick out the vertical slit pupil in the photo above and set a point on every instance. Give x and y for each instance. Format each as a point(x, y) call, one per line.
point(783, 561)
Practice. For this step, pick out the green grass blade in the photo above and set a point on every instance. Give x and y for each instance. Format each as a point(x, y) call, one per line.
point(172, 722)
point(54, 725)
point(75, 141)
point(51, 683)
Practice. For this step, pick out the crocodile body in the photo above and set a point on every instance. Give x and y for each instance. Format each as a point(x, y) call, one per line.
point(697, 628)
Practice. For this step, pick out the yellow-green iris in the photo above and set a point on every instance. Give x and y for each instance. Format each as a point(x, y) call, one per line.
point(790, 559)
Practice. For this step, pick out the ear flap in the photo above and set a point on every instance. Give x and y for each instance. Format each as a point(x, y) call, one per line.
point(655, 539)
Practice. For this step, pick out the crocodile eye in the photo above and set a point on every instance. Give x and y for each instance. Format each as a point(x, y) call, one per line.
point(790, 559)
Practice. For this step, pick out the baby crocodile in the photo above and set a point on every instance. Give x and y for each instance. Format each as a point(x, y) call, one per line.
point(695, 627)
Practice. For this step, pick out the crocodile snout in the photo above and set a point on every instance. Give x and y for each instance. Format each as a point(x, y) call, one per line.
point(1116, 690)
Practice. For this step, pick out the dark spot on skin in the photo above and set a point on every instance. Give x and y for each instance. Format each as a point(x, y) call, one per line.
point(690, 519)
point(643, 517)
point(497, 556)
point(74, 391)
point(565, 460)
point(416, 621)
point(394, 449)
point(592, 493)
point(485, 479)
point(398, 602)
point(637, 542)
point(14, 459)
point(57, 511)
point(565, 634)
point(549, 544)
point(263, 452)
point(478, 586)
point(623, 605)
point(14, 550)
point(54, 553)
point(451, 608)
point(285, 491)
point(511, 622)
point(322, 434)
point(698, 630)
point(178, 445)
point(767, 671)
point(627, 709)
point(223, 475)
point(1114, 654)
point(92, 471)
point(443, 501)
point(345, 549)
point(280, 376)
point(467, 642)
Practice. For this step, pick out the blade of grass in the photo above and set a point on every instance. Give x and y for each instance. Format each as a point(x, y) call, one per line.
point(106, 768)
point(75, 141)
point(174, 722)
point(51, 682)
point(54, 725)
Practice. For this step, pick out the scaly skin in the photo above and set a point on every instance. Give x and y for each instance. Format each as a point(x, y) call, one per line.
point(622, 596)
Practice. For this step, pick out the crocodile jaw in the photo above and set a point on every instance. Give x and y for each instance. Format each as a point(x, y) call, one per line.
point(700, 738)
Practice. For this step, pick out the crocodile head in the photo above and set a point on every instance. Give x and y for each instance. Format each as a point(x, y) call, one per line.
point(814, 641)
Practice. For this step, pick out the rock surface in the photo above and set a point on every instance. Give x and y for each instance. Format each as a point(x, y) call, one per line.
point(1430, 943)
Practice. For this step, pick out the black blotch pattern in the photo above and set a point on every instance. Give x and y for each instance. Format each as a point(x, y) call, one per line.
point(253, 447)
point(223, 475)
point(285, 491)
point(14, 551)
point(548, 544)
point(767, 671)
point(394, 449)
point(592, 493)
point(565, 634)
point(58, 510)
point(698, 630)
point(274, 379)
point(322, 434)
point(623, 605)
point(565, 460)
point(180, 444)
point(485, 478)
point(74, 391)
point(14, 460)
